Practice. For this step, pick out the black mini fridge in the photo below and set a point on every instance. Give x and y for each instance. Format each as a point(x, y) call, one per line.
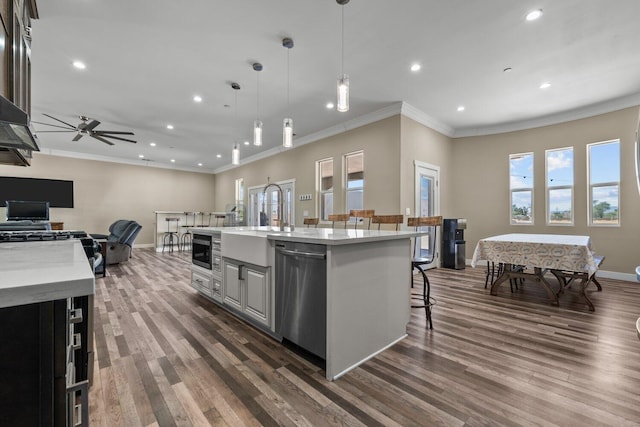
point(453, 244)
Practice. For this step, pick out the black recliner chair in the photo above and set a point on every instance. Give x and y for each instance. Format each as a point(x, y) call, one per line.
point(122, 234)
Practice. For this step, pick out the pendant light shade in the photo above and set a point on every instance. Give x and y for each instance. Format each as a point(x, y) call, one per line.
point(257, 124)
point(343, 93)
point(343, 81)
point(287, 123)
point(257, 133)
point(235, 155)
point(287, 133)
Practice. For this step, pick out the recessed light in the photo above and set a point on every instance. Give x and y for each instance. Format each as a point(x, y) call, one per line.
point(415, 67)
point(246, 143)
point(153, 144)
point(199, 164)
point(461, 108)
point(173, 160)
point(545, 85)
point(79, 65)
point(169, 127)
point(330, 105)
point(197, 98)
point(218, 155)
point(534, 14)
point(141, 156)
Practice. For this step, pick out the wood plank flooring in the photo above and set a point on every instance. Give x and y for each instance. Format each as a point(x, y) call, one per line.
point(166, 356)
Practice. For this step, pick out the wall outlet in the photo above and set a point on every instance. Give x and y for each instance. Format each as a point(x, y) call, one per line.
point(305, 213)
point(407, 211)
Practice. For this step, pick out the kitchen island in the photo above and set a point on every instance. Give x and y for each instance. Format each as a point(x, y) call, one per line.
point(367, 277)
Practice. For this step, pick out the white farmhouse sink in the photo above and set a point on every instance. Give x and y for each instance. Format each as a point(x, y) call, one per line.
point(250, 246)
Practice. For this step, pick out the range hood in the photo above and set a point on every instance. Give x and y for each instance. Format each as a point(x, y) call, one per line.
point(17, 141)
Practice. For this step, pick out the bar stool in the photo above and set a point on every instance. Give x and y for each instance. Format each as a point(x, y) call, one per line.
point(186, 237)
point(169, 236)
point(311, 221)
point(219, 217)
point(362, 213)
point(387, 219)
point(419, 259)
point(339, 218)
point(208, 215)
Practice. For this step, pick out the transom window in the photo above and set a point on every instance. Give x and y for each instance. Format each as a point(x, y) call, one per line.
point(604, 183)
point(521, 188)
point(559, 170)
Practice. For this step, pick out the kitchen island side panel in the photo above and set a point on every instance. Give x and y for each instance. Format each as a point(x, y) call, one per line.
point(368, 301)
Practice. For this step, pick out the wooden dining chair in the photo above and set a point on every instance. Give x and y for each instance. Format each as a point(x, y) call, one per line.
point(339, 218)
point(311, 221)
point(388, 219)
point(364, 214)
point(421, 258)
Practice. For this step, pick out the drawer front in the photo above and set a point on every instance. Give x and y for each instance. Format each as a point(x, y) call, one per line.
point(216, 291)
point(201, 283)
point(216, 262)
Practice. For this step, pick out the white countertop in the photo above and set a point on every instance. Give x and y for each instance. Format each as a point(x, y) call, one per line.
point(322, 236)
point(33, 272)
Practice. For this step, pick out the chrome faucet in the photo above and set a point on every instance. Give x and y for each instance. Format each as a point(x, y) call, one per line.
point(280, 201)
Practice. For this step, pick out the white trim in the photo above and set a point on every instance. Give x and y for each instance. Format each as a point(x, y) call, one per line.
point(426, 120)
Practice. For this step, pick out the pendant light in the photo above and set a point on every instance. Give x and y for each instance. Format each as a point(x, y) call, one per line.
point(343, 81)
point(257, 124)
point(235, 153)
point(287, 123)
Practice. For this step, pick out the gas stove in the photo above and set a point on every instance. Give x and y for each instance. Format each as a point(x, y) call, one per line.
point(44, 235)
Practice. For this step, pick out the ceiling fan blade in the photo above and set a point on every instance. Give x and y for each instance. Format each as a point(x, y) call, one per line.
point(96, 135)
point(55, 126)
point(92, 124)
point(77, 137)
point(99, 138)
point(104, 132)
point(58, 120)
point(48, 131)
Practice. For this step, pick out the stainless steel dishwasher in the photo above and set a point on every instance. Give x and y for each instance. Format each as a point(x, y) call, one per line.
point(301, 295)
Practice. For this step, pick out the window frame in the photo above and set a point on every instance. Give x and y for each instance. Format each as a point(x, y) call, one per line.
point(549, 188)
point(591, 186)
point(345, 175)
point(522, 189)
point(320, 193)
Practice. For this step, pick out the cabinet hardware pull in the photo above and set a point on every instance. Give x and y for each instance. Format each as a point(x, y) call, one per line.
point(75, 315)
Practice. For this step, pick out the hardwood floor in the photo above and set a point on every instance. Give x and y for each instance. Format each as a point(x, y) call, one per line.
point(167, 356)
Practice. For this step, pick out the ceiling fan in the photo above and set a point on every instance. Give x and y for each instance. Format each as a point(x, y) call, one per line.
point(86, 127)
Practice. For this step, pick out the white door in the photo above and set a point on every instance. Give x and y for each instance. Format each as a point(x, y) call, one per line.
point(263, 209)
point(427, 198)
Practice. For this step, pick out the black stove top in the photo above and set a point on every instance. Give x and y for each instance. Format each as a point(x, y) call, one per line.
point(45, 235)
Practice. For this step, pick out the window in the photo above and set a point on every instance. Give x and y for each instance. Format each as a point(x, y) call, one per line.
point(239, 204)
point(521, 186)
point(324, 173)
point(354, 167)
point(559, 167)
point(604, 182)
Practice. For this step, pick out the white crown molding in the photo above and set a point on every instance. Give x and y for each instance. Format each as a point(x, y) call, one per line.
point(86, 156)
point(423, 118)
point(553, 119)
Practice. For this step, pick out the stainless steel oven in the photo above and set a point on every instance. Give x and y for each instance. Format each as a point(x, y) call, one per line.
point(201, 253)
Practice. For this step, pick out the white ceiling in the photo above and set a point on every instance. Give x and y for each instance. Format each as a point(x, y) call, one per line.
point(146, 59)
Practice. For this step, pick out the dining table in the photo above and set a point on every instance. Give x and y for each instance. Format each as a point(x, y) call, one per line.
point(564, 256)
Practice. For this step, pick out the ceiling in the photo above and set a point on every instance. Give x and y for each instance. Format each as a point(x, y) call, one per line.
point(146, 59)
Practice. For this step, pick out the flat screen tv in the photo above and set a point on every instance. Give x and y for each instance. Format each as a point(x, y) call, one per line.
point(59, 193)
point(18, 210)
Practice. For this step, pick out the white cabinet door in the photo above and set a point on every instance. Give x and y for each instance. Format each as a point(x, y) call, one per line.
point(258, 293)
point(232, 290)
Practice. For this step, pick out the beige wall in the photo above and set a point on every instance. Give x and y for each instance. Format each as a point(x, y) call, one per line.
point(380, 142)
point(481, 186)
point(105, 192)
